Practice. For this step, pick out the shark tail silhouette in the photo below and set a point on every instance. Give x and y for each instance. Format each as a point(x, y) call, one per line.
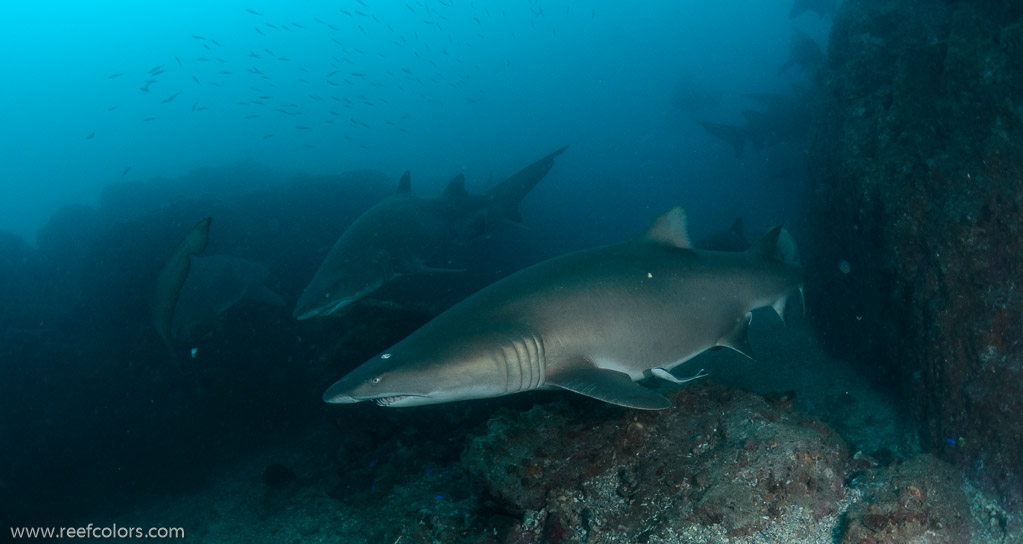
point(506, 196)
point(172, 278)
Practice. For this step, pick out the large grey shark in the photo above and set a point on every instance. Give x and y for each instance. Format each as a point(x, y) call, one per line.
point(593, 322)
point(400, 234)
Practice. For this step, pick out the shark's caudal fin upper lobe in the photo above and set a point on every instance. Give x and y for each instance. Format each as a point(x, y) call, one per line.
point(506, 196)
point(172, 277)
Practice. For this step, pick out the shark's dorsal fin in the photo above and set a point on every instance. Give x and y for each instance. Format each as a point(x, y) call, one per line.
point(607, 385)
point(405, 184)
point(670, 229)
point(456, 187)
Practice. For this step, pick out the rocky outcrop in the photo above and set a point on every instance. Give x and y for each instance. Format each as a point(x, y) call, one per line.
point(915, 219)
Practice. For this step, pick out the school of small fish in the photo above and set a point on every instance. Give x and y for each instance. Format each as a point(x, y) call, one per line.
point(433, 44)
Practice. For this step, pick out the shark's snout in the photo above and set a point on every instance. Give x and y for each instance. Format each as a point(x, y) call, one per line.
point(339, 393)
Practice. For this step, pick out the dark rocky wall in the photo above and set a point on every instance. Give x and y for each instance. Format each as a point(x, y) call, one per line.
point(917, 169)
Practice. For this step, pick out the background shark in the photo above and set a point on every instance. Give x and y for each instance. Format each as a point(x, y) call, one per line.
point(215, 284)
point(592, 322)
point(172, 277)
point(402, 233)
point(733, 239)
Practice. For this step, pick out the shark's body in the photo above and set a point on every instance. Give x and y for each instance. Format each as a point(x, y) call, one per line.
point(786, 118)
point(215, 284)
point(172, 277)
point(805, 53)
point(593, 322)
point(399, 235)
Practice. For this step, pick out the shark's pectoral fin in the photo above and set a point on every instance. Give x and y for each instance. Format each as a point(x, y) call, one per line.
point(609, 386)
point(738, 338)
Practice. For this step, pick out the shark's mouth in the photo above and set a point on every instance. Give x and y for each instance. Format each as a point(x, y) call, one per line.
point(385, 401)
point(396, 399)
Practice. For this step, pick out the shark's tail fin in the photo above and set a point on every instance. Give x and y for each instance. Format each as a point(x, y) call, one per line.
point(779, 246)
point(506, 196)
point(172, 278)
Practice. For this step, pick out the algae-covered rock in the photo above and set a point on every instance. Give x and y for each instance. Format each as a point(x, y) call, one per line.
point(717, 457)
point(920, 500)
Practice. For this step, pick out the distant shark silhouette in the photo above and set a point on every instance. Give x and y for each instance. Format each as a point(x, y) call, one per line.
point(805, 53)
point(593, 322)
point(787, 118)
point(215, 284)
point(172, 277)
point(732, 239)
point(399, 235)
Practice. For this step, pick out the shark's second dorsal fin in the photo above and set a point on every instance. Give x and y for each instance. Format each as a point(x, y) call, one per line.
point(670, 228)
point(405, 184)
point(456, 187)
point(776, 245)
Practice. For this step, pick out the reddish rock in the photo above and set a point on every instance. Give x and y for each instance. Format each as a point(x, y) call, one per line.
point(920, 500)
point(917, 169)
point(716, 457)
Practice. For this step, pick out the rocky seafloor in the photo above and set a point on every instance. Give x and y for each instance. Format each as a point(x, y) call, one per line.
point(737, 458)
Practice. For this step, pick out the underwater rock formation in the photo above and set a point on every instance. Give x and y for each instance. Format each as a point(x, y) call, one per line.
point(915, 219)
point(717, 457)
point(919, 500)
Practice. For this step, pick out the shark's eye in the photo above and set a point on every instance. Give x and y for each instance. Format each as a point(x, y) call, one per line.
point(376, 380)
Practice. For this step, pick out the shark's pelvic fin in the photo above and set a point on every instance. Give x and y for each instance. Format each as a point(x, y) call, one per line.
point(405, 184)
point(609, 386)
point(172, 277)
point(670, 229)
